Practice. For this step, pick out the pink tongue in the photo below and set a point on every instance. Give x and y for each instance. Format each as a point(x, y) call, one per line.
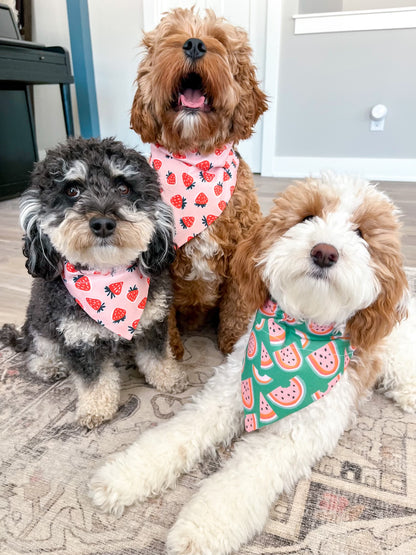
point(192, 98)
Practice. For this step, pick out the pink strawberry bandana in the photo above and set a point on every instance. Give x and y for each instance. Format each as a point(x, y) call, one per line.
point(198, 187)
point(115, 299)
point(289, 365)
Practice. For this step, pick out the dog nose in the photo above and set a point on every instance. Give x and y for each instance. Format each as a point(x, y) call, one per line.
point(324, 255)
point(194, 49)
point(102, 227)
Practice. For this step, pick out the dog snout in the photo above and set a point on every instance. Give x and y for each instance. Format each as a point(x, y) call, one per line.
point(194, 49)
point(102, 226)
point(324, 255)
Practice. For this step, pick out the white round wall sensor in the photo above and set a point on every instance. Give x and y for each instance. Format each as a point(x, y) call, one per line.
point(378, 112)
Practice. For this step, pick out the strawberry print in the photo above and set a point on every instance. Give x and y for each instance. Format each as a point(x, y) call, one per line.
point(204, 166)
point(133, 326)
point(178, 202)
point(119, 315)
point(218, 189)
point(206, 176)
point(186, 222)
point(188, 181)
point(227, 175)
point(114, 289)
point(71, 268)
point(142, 303)
point(209, 219)
point(121, 311)
point(96, 304)
point(157, 164)
point(132, 293)
point(201, 200)
point(170, 178)
point(196, 186)
point(82, 282)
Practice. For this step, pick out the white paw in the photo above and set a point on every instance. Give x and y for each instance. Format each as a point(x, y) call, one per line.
point(111, 489)
point(191, 538)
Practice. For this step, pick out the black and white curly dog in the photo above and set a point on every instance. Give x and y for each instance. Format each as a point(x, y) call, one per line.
point(94, 207)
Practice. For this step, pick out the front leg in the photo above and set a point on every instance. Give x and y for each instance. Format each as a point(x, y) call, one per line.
point(161, 454)
point(233, 505)
point(155, 361)
point(97, 382)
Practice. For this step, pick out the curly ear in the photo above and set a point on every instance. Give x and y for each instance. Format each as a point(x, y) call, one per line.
point(42, 259)
point(246, 272)
point(253, 101)
point(142, 119)
point(371, 325)
point(160, 252)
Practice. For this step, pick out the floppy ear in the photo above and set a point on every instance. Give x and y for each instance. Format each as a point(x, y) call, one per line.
point(142, 120)
point(246, 272)
point(160, 252)
point(253, 101)
point(371, 325)
point(42, 259)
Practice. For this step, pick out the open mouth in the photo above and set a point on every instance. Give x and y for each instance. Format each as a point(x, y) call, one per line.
point(192, 95)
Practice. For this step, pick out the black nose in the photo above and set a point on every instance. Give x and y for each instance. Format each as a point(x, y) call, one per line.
point(102, 227)
point(324, 255)
point(194, 49)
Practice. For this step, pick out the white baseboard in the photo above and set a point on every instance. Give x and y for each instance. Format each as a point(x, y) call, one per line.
point(380, 169)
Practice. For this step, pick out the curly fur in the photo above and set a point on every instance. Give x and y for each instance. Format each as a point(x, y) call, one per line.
point(77, 182)
point(366, 280)
point(234, 102)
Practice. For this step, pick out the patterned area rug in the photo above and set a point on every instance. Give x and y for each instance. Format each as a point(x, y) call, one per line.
point(360, 500)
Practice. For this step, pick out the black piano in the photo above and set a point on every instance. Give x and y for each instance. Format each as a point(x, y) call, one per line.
point(22, 64)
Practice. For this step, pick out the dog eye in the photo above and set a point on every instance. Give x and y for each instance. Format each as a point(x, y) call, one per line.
point(307, 218)
point(123, 189)
point(72, 191)
point(359, 232)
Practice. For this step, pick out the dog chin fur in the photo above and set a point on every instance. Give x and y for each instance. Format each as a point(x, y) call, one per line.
point(225, 76)
point(362, 223)
point(76, 183)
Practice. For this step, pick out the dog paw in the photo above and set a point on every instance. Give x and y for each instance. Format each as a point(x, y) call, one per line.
point(92, 416)
point(188, 537)
point(168, 377)
point(91, 421)
point(110, 489)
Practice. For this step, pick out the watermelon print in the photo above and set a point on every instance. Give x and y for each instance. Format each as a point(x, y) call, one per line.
point(111, 299)
point(198, 188)
point(267, 414)
point(306, 367)
point(288, 358)
point(325, 360)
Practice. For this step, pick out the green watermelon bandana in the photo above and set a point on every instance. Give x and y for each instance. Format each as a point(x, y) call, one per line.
point(288, 365)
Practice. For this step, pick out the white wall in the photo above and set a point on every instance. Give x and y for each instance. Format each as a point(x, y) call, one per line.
point(116, 31)
point(50, 27)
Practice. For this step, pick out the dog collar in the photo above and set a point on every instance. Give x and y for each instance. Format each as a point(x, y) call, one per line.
point(288, 365)
point(115, 299)
point(198, 187)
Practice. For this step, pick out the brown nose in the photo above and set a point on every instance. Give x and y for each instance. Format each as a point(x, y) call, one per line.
point(194, 48)
point(324, 255)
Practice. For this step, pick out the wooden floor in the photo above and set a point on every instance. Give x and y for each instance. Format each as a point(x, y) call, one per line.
point(15, 282)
